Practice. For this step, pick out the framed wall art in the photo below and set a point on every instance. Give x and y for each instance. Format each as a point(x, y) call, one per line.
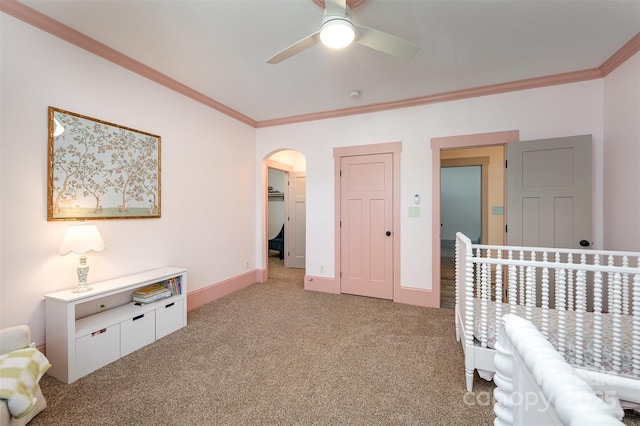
point(101, 170)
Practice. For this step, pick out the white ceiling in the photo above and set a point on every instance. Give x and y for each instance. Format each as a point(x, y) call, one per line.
point(219, 47)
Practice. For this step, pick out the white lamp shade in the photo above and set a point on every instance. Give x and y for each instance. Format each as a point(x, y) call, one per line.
point(337, 33)
point(80, 239)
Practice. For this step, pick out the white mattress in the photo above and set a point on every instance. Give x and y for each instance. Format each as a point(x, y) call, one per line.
point(570, 346)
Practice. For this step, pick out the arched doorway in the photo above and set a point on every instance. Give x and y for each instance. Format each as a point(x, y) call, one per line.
point(285, 209)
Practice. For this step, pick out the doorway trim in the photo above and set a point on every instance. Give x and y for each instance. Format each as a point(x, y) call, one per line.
point(454, 142)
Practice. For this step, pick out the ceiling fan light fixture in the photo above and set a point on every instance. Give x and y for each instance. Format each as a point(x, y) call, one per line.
point(337, 33)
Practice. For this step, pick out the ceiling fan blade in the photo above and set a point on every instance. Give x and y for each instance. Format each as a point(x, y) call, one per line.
point(295, 48)
point(386, 43)
point(336, 7)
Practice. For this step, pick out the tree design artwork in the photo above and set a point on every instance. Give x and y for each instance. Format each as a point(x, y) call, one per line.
point(102, 170)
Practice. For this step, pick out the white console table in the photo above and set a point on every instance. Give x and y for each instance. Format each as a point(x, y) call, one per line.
point(86, 331)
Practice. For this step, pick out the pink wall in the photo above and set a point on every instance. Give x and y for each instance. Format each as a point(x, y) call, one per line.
point(208, 177)
point(622, 157)
point(563, 110)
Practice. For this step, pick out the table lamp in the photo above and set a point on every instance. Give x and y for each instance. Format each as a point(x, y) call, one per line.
point(80, 239)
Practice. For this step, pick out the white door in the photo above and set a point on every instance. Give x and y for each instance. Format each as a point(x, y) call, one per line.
point(549, 192)
point(297, 220)
point(366, 217)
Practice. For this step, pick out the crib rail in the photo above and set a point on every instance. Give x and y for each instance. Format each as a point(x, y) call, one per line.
point(594, 291)
point(535, 385)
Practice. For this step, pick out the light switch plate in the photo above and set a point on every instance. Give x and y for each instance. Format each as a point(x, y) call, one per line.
point(414, 211)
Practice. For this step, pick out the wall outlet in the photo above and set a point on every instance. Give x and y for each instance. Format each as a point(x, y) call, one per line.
point(322, 269)
point(101, 306)
point(246, 264)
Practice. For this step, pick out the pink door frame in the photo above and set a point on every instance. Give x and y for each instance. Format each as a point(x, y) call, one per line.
point(454, 142)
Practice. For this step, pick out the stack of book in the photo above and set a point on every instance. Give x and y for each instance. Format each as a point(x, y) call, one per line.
point(151, 293)
point(173, 284)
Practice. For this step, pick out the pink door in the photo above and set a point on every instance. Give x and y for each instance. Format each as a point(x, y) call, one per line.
point(366, 216)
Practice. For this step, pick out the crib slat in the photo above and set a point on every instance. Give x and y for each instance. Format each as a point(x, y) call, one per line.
point(570, 285)
point(636, 325)
point(610, 262)
point(498, 316)
point(477, 253)
point(513, 286)
point(468, 285)
point(530, 288)
point(556, 304)
point(617, 323)
point(597, 320)
point(581, 303)
point(484, 317)
point(521, 289)
point(545, 298)
point(560, 306)
point(490, 289)
point(625, 288)
point(530, 300)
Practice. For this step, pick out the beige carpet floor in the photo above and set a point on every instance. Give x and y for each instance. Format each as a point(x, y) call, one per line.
point(275, 354)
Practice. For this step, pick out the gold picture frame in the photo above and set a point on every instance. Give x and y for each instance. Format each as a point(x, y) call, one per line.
point(101, 170)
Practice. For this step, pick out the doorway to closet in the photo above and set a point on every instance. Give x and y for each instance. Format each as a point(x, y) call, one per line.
point(285, 212)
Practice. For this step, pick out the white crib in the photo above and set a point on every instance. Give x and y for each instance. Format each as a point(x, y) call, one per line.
point(536, 386)
point(586, 303)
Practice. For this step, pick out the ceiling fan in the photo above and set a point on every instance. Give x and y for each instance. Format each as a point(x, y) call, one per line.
point(337, 31)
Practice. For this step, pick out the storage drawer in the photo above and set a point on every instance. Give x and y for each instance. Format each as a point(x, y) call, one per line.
point(137, 332)
point(97, 349)
point(169, 318)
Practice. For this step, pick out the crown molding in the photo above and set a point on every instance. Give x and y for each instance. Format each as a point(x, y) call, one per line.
point(513, 86)
point(64, 32)
point(618, 58)
point(625, 52)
